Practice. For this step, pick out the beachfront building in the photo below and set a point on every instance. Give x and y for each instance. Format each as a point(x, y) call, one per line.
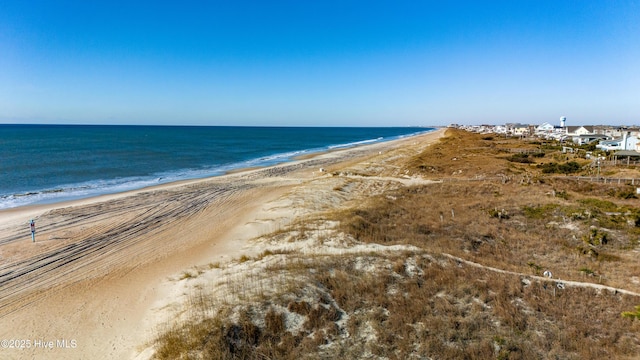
point(572, 131)
point(616, 131)
point(517, 129)
point(500, 129)
point(610, 145)
point(587, 139)
point(483, 129)
point(549, 131)
point(583, 134)
point(609, 131)
point(625, 142)
point(578, 134)
point(544, 128)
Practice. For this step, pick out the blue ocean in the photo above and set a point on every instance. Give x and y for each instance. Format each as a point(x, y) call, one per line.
point(50, 163)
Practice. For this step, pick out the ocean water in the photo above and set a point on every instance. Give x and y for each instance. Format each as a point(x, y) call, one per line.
point(50, 163)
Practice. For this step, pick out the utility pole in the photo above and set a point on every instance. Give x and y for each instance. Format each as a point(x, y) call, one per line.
point(600, 158)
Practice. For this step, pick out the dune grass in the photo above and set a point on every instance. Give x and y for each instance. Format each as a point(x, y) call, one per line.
point(408, 305)
point(417, 302)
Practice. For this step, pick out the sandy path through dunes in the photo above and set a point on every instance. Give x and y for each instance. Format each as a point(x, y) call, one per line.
point(87, 283)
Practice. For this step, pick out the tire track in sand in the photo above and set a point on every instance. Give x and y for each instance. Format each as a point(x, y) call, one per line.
point(109, 229)
point(117, 233)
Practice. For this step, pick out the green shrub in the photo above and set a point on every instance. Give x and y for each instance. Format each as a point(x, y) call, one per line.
point(601, 205)
point(537, 269)
point(562, 194)
point(632, 314)
point(539, 212)
point(563, 168)
point(587, 271)
point(624, 193)
point(596, 237)
point(520, 158)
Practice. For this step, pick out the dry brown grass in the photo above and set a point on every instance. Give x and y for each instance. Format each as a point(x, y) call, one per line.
point(508, 224)
point(420, 304)
point(412, 305)
point(505, 226)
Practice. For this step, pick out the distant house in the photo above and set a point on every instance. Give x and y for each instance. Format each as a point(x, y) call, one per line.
point(500, 129)
point(572, 131)
point(624, 143)
point(616, 131)
point(582, 134)
point(544, 128)
point(587, 139)
point(608, 145)
point(521, 130)
point(516, 128)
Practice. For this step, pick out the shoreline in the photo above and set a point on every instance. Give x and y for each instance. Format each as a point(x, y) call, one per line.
point(103, 263)
point(241, 166)
point(36, 207)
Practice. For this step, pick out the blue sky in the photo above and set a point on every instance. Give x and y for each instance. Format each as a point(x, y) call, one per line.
point(320, 63)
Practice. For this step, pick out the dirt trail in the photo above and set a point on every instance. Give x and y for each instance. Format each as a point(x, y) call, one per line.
point(544, 279)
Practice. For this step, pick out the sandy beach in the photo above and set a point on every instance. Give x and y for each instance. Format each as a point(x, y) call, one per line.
point(88, 286)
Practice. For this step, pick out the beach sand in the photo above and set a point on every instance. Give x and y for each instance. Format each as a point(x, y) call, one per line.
point(89, 286)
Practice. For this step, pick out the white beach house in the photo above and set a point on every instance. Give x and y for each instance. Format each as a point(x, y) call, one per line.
point(625, 142)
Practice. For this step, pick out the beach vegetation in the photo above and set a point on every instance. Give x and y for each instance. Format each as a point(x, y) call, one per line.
point(520, 158)
point(626, 192)
point(443, 270)
point(537, 269)
point(439, 308)
point(539, 211)
point(587, 271)
point(595, 204)
point(187, 275)
point(562, 194)
point(569, 167)
point(635, 314)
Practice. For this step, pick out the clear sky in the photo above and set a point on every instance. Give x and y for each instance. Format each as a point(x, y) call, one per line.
point(323, 63)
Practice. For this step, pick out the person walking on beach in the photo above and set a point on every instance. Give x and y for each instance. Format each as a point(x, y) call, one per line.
point(33, 230)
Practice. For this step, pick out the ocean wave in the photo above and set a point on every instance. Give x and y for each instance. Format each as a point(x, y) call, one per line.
point(75, 191)
point(282, 156)
point(355, 143)
point(378, 139)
